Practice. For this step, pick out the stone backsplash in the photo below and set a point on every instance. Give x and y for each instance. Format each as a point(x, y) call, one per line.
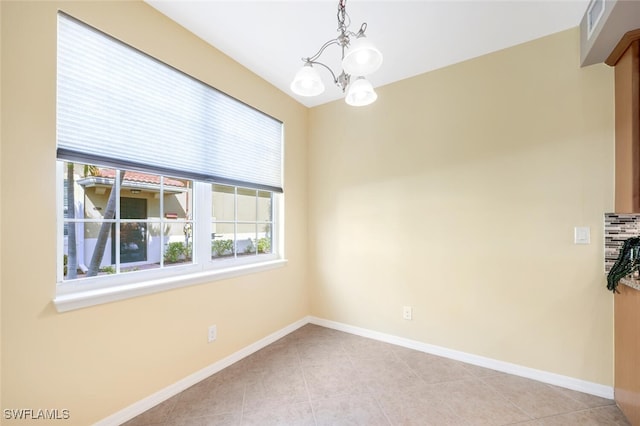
point(617, 228)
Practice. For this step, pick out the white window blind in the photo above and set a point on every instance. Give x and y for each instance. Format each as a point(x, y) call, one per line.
point(119, 107)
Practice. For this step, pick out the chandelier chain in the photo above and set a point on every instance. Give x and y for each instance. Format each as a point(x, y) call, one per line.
point(343, 17)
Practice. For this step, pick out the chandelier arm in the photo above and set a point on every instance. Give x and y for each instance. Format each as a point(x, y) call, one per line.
point(360, 32)
point(362, 29)
point(335, 79)
point(324, 46)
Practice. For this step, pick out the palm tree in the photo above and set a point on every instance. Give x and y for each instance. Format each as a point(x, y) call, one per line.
point(72, 254)
point(105, 228)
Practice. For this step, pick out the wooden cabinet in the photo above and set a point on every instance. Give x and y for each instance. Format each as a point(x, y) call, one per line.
point(626, 60)
point(627, 352)
point(627, 124)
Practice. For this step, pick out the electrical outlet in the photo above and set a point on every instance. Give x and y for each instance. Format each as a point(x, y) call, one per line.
point(213, 333)
point(407, 313)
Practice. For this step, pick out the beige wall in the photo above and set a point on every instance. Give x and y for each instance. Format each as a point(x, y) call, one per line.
point(98, 360)
point(1, 207)
point(457, 193)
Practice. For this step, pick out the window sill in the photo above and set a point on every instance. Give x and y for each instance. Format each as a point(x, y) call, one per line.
point(84, 299)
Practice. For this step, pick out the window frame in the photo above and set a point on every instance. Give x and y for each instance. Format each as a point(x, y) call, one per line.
point(90, 291)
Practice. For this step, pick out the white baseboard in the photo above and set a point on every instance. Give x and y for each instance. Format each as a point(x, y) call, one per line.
point(162, 395)
point(506, 367)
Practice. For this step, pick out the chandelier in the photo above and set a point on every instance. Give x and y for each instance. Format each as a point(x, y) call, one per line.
point(359, 58)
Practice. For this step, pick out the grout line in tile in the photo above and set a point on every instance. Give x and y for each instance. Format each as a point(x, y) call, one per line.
point(306, 386)
point(503, 396)
point(386, 415)
point(562, 414)
point(244, 398)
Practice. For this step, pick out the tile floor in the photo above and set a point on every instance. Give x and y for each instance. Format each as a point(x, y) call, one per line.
point(319, 376)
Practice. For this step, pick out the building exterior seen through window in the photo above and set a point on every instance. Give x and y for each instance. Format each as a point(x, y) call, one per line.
point(121, 221)
point(242, 221)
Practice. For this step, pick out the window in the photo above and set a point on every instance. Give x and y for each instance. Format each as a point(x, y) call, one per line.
point(124, 221)
point(242, 222)
point(161, 178)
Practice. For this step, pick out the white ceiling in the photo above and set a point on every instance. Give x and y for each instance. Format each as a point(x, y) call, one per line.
point(271, 37)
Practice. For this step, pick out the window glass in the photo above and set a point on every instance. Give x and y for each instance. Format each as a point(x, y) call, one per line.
point(124, 221)
point(265, 222)
point(246, 238)
point(247, 205)
point(265, 209)
point(265, 240)
point(242, 222)
point(223, 206)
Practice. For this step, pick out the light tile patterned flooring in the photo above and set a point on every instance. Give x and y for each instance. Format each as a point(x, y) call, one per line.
point(319, 376)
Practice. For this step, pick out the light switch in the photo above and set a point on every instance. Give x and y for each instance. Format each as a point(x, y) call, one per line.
point(581, 235)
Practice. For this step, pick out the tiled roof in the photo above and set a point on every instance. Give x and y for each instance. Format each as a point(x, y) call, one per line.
point(140, 177)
